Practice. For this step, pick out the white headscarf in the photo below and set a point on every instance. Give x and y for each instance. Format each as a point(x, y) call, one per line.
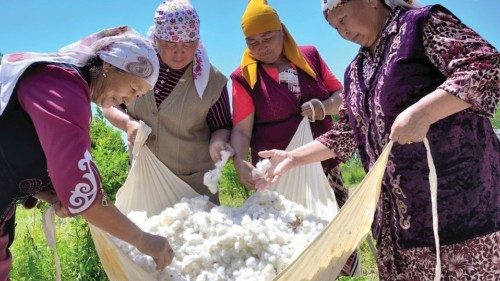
point(178, 21)
point(327, 5)
point(121, 47)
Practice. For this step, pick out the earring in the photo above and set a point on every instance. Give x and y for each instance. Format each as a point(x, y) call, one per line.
point(104, 75)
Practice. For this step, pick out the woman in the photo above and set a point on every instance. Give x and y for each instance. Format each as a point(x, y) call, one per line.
point(189, 108)
point(45, 142)
point(420, 73)
point(271, 89)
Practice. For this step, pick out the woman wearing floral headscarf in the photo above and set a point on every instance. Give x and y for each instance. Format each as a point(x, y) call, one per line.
point(188, 109)
point(271, 89)
point(44, 124)
point(420, 73)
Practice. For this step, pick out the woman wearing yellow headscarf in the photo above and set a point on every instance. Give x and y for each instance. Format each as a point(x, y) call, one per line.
point(273, 82)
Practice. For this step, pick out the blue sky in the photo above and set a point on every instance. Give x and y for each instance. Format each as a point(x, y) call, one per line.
point(46, 25)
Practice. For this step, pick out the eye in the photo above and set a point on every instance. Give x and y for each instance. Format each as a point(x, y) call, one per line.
point(341, 20)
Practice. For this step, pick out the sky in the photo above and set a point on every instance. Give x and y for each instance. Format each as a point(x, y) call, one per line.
point(47, 25)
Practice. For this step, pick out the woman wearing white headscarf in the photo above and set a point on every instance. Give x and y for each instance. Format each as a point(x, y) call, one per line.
point(188, 110)
point(45, 121)
point(420, 73)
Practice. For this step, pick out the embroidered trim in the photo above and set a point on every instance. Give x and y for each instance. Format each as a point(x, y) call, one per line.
point(84, 194)
point(291, 78)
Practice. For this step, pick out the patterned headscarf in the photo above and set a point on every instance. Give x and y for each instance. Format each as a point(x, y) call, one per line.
point(121, 47)
point(328, 5)
point(178, 21)
point(260, 17)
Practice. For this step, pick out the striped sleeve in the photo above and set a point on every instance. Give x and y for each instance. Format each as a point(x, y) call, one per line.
point(219, 115)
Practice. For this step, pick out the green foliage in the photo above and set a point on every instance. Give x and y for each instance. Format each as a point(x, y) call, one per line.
point(352, 171)
point(495, 121)
point(109, 153)
point(232, 192)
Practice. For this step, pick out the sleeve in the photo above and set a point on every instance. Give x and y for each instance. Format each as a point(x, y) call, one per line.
point(331, 82)
point(57, 100)
point(219, 115)
point(340, 138)
point(242, 102)
point(471, 64)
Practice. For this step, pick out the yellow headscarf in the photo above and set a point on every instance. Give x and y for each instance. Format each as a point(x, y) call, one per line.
point(260, 17)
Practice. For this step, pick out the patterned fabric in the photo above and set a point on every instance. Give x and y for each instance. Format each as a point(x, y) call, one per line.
point(328, 5)
point(63, 129)
point(219, 115)
point(178, 21)
point(474, 259)
point(121, 46)
point(377, 90)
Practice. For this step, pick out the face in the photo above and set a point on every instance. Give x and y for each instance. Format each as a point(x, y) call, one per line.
point(359, 21)
point(266, 47)
point(118, 87)
point(176, 55)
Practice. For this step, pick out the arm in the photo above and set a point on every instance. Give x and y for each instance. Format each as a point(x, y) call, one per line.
point(337, 143)
point(240, 141)
point(57, 100)
point(122, 120)
point(111, 220)
point(472, 67)
point(219, 122)
point(332, 104)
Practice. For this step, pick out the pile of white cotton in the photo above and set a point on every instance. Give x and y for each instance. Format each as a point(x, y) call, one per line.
point(253, 242)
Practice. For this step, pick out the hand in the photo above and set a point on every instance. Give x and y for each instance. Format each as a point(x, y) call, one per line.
point(281, 162)
point(60, 210)
point(317, 113)
point(131, 130)
point(410, 126)
point(158, 248)
point(216, 147)
point(244, 170)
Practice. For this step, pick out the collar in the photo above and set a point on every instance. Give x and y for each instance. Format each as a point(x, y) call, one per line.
point(391, 27)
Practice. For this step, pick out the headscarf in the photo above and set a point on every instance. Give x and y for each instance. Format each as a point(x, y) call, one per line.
point(121, 47)
point(178, 21)
point(260, 17)
point(328, 5)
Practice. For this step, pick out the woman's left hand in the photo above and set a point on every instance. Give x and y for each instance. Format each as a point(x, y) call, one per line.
point(317, 112)
point(410, 126)
point(216, 147)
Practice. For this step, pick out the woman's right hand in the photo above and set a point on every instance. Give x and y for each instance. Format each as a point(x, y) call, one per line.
point(244, 170)
point(281, 162)
point(131, 130)
point(158, 248)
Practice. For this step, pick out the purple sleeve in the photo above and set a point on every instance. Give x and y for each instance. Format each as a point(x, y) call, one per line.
point(219, 115)
point(340, 138)
point(471, 64)
point(57, 100)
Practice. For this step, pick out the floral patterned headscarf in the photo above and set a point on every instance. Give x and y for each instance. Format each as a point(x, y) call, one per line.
point(121, 47)
point(328, 5)
point(178, 21)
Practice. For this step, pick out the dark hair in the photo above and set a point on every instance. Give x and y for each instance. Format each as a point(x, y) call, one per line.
point(94, 67)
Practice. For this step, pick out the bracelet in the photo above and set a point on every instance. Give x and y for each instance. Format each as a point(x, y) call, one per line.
point(322, 108)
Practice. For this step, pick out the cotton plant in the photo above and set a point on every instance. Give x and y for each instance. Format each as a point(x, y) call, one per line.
point(253, 242)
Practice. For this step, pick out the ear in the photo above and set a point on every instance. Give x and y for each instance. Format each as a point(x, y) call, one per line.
point(106, 66)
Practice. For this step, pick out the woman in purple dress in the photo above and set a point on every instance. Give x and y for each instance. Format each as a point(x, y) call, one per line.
point(420, 73)
point(45, 139)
